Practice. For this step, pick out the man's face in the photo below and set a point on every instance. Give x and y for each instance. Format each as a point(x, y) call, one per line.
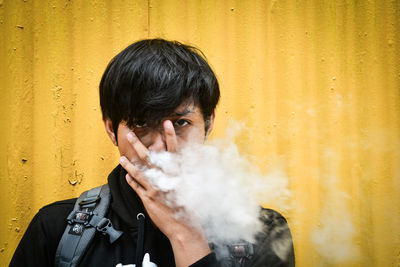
point(187, 121)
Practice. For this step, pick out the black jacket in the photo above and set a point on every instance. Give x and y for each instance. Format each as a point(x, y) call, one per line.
point(40, 241)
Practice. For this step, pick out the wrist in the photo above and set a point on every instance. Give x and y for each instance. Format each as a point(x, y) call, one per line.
point(189, 247)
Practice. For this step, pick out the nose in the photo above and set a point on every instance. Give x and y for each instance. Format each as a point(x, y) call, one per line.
point(157, 142)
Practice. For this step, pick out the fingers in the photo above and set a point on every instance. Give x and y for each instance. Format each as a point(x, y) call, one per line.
point(135, 172)
point(140, 190)
point(141, 150)
point(132, 183)
point(170, 136)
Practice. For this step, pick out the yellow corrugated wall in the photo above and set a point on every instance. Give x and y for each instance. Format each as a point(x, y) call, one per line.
point(317, 82)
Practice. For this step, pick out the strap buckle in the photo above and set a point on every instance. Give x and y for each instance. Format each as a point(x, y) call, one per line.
point(241, 250)
point(105, 227)
point(81, 217)
point(89, 201)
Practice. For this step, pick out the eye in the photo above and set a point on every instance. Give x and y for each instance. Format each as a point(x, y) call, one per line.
point(181, 123)
point(140, 124)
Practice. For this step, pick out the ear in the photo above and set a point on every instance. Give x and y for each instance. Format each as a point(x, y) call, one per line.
point(210, 125)
point(110, 130)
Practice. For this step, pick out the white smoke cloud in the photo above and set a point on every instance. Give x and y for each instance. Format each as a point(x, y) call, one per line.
point(334, 237)
point(220, 189)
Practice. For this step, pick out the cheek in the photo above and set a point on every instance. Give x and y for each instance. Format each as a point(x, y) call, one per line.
point(145, 138)
point(189, 135)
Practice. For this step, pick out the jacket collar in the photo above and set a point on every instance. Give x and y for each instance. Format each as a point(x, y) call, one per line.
point(125, 202)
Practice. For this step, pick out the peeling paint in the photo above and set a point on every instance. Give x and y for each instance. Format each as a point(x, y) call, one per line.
point(75, 178)
point(57, 92)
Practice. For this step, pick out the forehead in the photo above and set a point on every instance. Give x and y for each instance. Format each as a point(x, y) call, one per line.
point(186, 109)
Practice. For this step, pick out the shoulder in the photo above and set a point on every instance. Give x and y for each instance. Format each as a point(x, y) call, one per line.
point(52, 218)
point(39, 243)
point(273, 221)
point(275, 241)
point(59, 207)
point(55, 213)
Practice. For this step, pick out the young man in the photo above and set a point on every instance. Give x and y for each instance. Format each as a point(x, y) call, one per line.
point(155, 95)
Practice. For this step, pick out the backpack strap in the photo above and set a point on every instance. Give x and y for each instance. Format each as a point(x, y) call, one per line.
point(86, 218)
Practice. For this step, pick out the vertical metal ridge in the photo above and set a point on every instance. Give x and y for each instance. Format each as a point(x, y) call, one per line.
point(317, 83)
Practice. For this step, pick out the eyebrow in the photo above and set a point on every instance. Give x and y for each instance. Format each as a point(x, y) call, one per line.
point(184, 112)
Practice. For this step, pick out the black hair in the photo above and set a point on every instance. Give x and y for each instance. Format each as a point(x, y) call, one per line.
point(150, 78)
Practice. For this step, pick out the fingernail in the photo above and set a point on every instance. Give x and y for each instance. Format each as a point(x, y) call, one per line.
point(130, 137)
point(168, 124)
point(122, 160)
point(128, 177)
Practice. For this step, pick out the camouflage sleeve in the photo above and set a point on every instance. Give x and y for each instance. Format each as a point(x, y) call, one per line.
point(274, 245)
